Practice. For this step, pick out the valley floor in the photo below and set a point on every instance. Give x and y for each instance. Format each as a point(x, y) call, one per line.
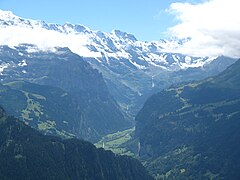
point(115, 142)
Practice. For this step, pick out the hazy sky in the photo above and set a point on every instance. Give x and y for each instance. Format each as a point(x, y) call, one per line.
point(146, 19)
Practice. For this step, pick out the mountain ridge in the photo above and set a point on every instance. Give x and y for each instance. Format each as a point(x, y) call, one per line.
point(74, 80)
point(191, 130)
point(27, 154)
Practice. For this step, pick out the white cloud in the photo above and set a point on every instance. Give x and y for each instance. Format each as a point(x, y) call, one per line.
point(213, 27)
point(45, 39)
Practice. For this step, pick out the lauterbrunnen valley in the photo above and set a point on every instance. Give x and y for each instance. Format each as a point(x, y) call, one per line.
point(159, 103)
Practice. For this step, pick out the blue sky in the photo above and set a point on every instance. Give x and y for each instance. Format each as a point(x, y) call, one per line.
point(146, 19)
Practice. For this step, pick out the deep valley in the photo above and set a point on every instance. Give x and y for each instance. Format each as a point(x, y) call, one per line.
point(94, 105)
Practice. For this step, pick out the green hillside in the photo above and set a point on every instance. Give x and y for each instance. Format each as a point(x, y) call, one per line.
point(191, 131)
point(27, 154)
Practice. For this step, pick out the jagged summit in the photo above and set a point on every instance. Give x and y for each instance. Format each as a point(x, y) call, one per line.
point(7, 18)
point(124, 35)
point(6, 15)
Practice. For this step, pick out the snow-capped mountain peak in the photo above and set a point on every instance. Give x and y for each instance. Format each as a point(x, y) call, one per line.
point(123, 35)
point(105, 48)
point(7, 15)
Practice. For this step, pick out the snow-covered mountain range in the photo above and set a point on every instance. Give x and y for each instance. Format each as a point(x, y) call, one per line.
point(131, 68)
point(96, 44)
